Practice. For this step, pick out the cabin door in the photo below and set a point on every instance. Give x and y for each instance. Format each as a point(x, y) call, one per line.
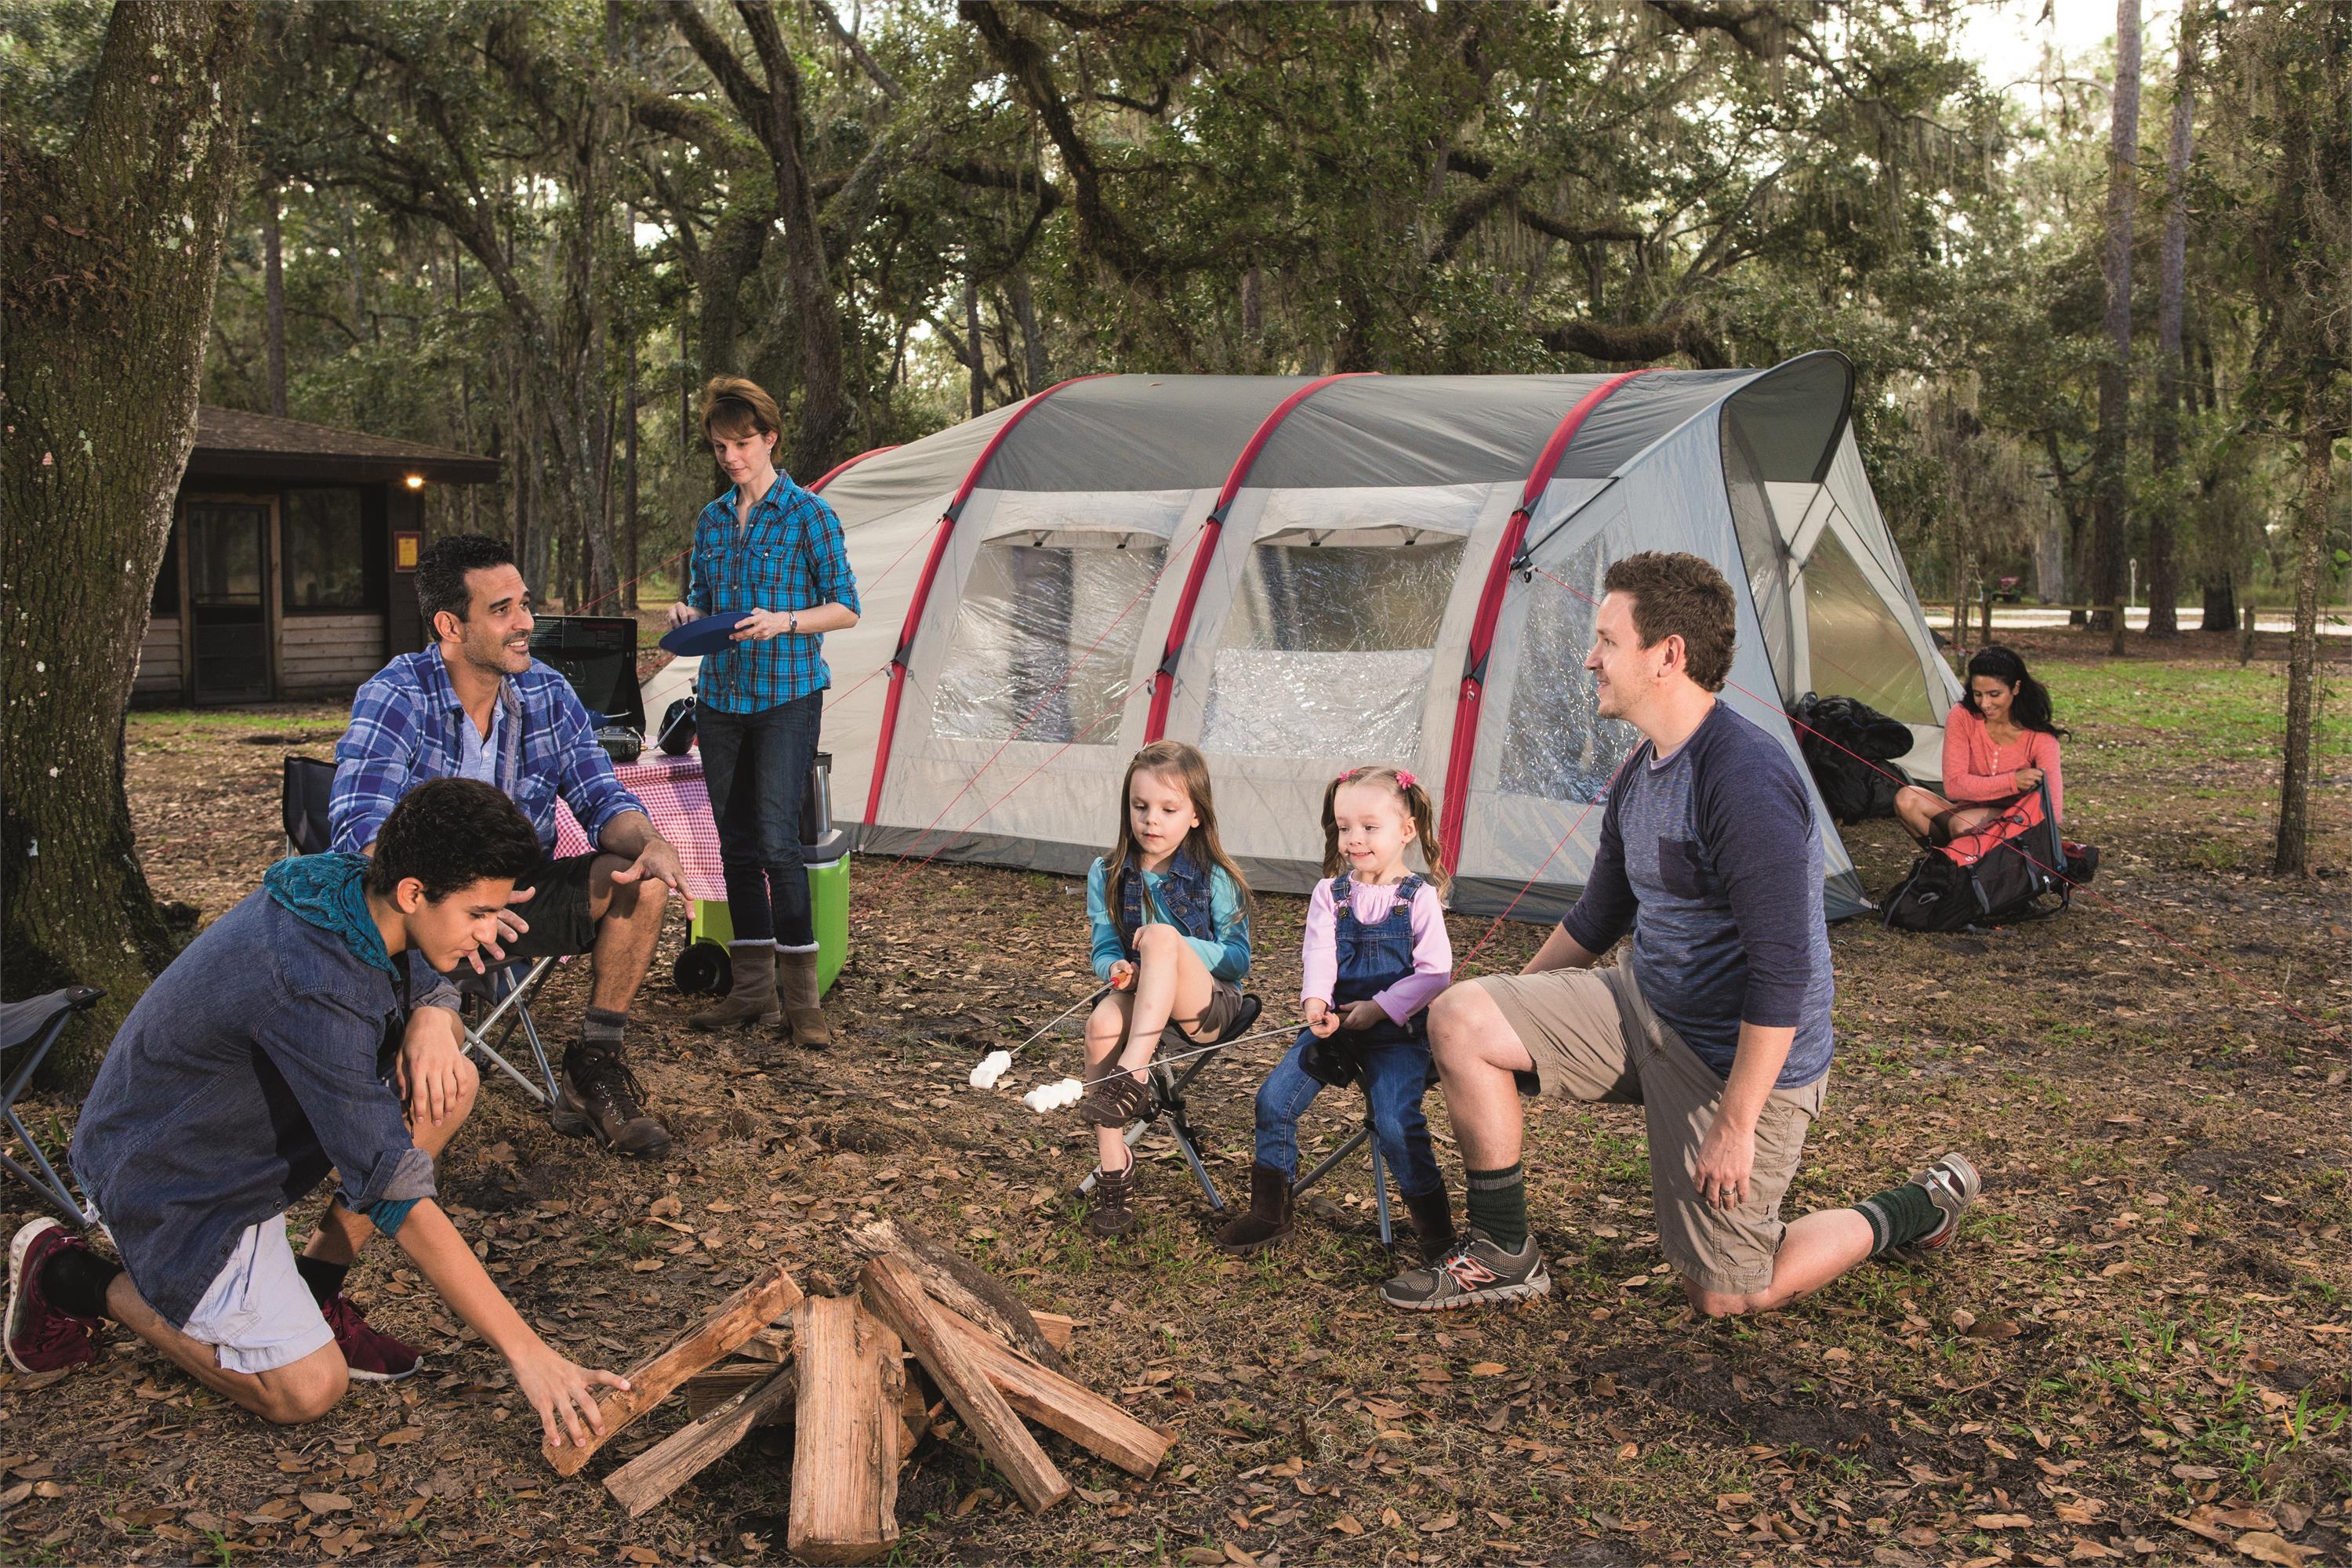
point(228, 577)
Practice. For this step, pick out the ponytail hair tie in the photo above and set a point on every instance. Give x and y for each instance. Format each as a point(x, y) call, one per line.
point(1404, 780)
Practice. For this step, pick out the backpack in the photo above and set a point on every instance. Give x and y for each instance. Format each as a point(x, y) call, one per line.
point(1841, 739)
point(2013, 868)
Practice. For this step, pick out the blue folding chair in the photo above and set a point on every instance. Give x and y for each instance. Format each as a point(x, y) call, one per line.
point(31, 1026)
point(504, 989)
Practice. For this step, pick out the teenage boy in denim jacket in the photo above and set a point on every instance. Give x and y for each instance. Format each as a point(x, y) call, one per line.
point(266, 1054)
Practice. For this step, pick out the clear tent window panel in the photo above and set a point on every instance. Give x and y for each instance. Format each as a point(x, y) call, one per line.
point(1859, 648)
point(1043, 647)
point(1556, 744)
point(1329, 650)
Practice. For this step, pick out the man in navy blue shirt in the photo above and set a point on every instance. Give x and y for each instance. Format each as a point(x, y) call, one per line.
point(1717, 1021)
point(265, 1055)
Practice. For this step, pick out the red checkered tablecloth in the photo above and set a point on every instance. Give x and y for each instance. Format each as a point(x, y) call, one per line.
point(675, 798)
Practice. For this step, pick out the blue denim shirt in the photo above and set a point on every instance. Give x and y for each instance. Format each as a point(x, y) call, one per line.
point(255, 1063)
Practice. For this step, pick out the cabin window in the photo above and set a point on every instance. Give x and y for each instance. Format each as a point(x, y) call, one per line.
point(324, 551)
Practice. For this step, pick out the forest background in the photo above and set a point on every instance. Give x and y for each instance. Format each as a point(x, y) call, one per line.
point(2102, 320)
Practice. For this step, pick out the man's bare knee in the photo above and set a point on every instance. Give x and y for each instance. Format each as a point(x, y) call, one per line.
point(1717, 1303)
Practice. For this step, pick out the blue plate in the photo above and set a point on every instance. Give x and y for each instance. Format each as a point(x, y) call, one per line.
point(706, 635)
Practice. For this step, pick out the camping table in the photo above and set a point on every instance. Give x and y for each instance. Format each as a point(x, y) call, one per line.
point(674, 798)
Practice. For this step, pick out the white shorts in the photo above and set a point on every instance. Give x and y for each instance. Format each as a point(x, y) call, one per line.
point(258, 1314)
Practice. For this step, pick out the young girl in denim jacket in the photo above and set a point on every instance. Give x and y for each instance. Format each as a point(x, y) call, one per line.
point(1172, 935)
point(1376, 955)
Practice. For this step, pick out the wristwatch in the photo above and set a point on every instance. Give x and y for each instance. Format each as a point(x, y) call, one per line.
point(793, 624)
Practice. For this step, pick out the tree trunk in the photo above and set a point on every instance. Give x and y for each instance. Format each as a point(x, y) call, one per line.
point(111, 251)
point(976, 356)
point(273, 289)
point(1033, 343)
point(2221, 604)
point(2107, 574)
point(2163, 572)
point(629, 489)
point(2303, 650)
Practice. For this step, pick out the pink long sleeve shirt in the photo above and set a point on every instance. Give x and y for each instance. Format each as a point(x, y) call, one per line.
point(1975, 770)
point(1433, 950)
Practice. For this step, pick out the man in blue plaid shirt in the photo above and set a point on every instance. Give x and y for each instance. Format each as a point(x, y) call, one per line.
point(477, 705)
point(772, 551)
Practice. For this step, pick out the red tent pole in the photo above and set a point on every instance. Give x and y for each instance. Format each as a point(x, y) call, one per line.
point(897, 666)
point(1163, 680)
point(1455, 807)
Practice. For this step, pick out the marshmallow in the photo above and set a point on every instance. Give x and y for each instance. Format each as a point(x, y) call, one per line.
point(992, 1066)
point(1048, 1096)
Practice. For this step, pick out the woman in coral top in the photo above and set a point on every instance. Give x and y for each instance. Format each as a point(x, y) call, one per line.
point(2000, 742)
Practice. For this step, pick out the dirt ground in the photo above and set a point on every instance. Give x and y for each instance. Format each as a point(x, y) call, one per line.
point(2141, 1348)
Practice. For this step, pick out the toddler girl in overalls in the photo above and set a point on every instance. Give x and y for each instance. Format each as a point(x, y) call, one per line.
point(1376, 956)
point(1171, 934)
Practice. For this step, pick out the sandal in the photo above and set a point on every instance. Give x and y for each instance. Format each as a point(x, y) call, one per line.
point(1116, 1102)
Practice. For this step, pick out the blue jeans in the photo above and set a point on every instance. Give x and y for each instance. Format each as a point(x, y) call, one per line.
point(1395, 1079)
point(756, 767)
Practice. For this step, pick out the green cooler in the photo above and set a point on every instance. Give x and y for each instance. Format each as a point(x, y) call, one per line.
point(703, 968)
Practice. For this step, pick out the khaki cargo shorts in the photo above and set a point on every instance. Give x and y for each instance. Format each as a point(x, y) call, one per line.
point(1594, 1039)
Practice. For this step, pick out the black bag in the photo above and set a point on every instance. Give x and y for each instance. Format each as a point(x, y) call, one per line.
point(676, 734)
point(2012, 868)
point(1846, 745)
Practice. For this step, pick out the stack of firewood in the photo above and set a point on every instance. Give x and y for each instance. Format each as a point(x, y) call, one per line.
point(835, 1369)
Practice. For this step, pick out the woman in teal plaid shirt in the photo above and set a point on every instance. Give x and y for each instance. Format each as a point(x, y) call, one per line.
point(771, 549)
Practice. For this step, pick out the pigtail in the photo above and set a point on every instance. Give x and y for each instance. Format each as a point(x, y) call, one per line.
point(1333, 864)
point(1425, 832)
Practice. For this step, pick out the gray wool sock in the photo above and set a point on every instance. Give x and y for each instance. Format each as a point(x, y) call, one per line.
point(602, 1029)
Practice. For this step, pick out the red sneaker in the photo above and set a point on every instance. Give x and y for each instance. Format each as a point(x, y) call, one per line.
point(40, 1337)
point(372, 1355)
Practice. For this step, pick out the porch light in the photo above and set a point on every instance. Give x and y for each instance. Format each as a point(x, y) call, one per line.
point(413, 482)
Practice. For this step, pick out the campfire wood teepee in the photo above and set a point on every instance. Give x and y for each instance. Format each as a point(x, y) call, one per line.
point(835, 1369)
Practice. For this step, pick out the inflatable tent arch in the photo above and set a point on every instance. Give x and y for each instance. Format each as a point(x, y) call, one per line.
point(1298, 575)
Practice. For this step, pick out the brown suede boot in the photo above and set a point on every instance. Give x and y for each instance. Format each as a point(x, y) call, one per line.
point(802, 1013)
point(751, 995)
point(1433, 1221)
point(1112, 1213)
point(600, 1098)
point(1268, 1220)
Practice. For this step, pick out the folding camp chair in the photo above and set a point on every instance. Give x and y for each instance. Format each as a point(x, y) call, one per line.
point(31, 1026)
point(1361, 1136)
point(1167, 1086)
point(504, 989)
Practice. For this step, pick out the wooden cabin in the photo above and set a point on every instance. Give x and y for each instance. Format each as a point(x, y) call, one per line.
point(290, 570)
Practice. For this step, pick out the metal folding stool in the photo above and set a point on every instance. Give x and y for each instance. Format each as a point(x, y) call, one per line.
point(1362, 1135)
point(1168, 1086)
point(33, 1026)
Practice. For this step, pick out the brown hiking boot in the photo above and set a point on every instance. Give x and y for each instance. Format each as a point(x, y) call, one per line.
point(1268, 1220)
point(1112, 1214)
point(601, 1099)
point(803, 1009)
point(1432, 1214)
point(752, 996)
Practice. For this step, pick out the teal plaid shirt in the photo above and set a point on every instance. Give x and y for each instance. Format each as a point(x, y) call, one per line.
point(789, 556)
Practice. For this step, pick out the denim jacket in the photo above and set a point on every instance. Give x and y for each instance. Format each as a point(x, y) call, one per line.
point(1205, 906)
point(255, 1063)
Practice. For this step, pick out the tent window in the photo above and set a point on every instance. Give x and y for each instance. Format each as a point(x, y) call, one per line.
point(1329, 650)
point(1760, 549)
point(1049, 631)
point(1859, 648)
point(1556, 745)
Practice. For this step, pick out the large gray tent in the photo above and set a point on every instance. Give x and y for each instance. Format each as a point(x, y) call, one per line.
point(1299, 575)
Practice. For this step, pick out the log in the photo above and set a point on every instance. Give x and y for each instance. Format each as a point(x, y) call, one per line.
point(896, 1295)
point(685, 1452)
point(1053, 1401)
point(651, 1381)
point(708, 1391)
point(846, 1454)
point(957, 1282)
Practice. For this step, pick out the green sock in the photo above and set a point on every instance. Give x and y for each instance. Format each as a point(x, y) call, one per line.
point(1498, 1205)
point(1899, 1217)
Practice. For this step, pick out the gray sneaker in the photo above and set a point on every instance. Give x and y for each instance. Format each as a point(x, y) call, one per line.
point(1473, 1273)
point(1952, 1184)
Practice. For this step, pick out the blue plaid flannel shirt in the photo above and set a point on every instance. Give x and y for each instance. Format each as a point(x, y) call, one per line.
point(404, 730)
point(790, 557)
